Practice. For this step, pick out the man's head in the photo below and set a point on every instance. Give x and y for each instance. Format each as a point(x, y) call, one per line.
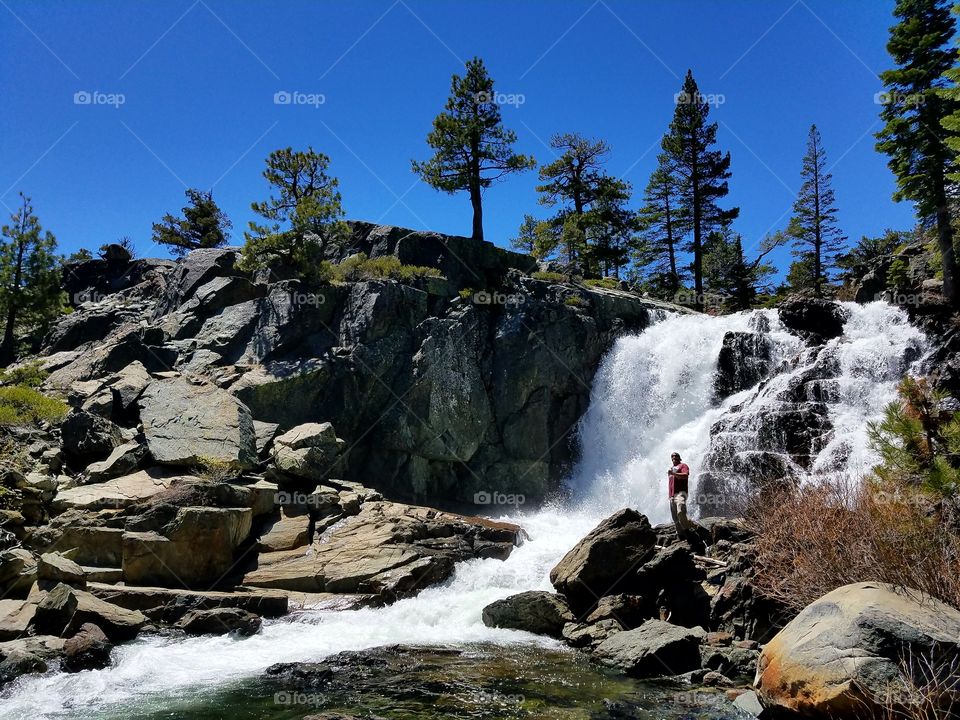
point(675, 457)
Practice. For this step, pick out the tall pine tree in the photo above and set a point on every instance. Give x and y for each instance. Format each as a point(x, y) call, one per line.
point(690, 147)
point(914, 109)
point(664, 221)
point(816, 236)
point(203, 225)
point(473, 148)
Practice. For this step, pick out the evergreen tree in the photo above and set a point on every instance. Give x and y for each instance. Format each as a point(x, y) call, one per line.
point(30, 276)
point(702, 169)
point(81, 255)
point(816, 235)
point(664, 222)
point(526, 239)
point(914, 109)
point(203, 225)
point(728, 273)
point(304, 218)
point(472, 146)
point(868, 251)
point(610, 227)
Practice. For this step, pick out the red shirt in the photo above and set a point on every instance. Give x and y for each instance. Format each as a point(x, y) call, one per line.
point(676, 484)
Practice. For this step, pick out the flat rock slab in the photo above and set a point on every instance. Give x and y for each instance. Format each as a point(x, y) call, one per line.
point(265, 603)
point(15, 618)
point(119, 492)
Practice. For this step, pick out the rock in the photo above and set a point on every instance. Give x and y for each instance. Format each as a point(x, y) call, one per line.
point(123, 460)
point(186, 423)
point(88, 438)
point(63, 611)
point(811, 318)
point(653, 649)
point(55, 568)
point(287, 532)
point(847, 654)
point(18, 572)
point(17, 663)
point(388, 549)
point(173, 603)
point(590, 635)
point(733, 662)
point(310, 451)
point(749, 703)
point(602, 563)
point(172, 558)
point(629, 611)
point(118, 492)
point(87, 545)
point(716, 679)
point(15, 618)
point(535, 611)
point(219, 621)
point(744, 360)
point(89, 649)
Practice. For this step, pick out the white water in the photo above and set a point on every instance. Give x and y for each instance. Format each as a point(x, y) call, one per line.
point(651, 396)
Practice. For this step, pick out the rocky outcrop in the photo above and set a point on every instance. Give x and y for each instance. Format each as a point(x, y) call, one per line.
point(604, 562)
point(745, 359)
point(535, 611)
point(861, 650)
point(815, 320)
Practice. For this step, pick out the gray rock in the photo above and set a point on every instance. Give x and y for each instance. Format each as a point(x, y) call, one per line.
point(122, 461)
point(88, 438)
point(89, 649)
point(55, 568)
point(858, 648)
point(535, 611)
point(64, 610)
point(311, 451)
point(18, 572)
point(653, 649)
point(185, 423)
point(219, 621)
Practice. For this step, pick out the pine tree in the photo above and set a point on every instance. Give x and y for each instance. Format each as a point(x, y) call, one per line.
point(914, 109)
point(526, 239)
point(203, 225)
point(816, 235)
point(702, 169)
point(30, 275)
point(304, 218)
point(664, 222)
point(610, 228)
point(473, 149)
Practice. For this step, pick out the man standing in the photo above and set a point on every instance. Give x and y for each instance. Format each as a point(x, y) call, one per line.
point(679, 476)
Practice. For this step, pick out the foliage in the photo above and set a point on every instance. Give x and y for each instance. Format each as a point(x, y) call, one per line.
point(548, 276)
point(916, 110)
point(918, 439)
point(30, 275)
point(472, 147)
point(574, 301)
point(21, 405)
point(214, 470)
point(466, 293)
point(203, 225)
point(701, 169)
point(664, 220)
point(81, 255)
point(817, 237)
point(869, 251)
point(898, 274)
point(303, 218)
point(526, 239)
point(360, 267)
point(607, 282)
point(29, 374)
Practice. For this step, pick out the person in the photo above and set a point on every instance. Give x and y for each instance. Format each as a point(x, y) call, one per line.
point(679, 490)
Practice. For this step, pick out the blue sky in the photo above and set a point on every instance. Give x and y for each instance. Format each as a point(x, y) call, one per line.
point(197, 80)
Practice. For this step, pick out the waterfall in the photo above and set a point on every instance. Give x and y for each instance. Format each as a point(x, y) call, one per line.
point(653, 394)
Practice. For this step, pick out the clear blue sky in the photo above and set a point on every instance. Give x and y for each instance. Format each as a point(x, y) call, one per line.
point(198, 80)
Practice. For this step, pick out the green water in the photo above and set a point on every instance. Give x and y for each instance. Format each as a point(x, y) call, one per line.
point(476, 683)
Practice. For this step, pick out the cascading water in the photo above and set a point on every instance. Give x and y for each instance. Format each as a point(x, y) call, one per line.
point(652, 395)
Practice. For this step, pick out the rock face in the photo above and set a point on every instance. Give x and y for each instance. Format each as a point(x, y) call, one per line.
point(849, 653)
point(602, 562)
point(188, 424)
point(813, 319)
point(744, 361)
point(535, 611)
point(655, 648)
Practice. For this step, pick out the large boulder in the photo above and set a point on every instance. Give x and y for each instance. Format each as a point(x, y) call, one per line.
point(88, 438)
point(535, 611)
point(64, 610)
point(89, 649)
point(219, 621)
point(653, 649)
point(311, 451)
point(54, 568)
point(187, 423)
point(860, 649)
point(813, 319)
point(604, 561)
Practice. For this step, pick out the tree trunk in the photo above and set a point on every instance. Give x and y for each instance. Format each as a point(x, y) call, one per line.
point(697, 239)
point(945, 241)
point(477, 203)
point(8, 347)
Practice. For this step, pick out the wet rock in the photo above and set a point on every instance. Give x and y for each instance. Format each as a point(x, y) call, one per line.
point(602, 562)
point(655, 648)
point(813, 319)
point(745, 359)
point(535, 611)
point(186, 424)
point(89, 649)
point(881, 631)
point(219, 621)
point(16, 663)
point(590, 635)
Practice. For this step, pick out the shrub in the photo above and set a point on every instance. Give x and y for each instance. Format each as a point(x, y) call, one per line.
point(466, 293)
point(553, 277)
point(30, 375)
point(360, 267)
point(820, 537)
point(607, 283)
point(574, 301)
point(21, 405)
point(215, 470)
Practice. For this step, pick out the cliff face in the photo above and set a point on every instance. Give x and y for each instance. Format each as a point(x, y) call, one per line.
point(438, 392)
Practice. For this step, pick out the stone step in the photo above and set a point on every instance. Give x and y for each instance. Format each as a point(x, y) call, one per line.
point(135, 597)
point(96, 574)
